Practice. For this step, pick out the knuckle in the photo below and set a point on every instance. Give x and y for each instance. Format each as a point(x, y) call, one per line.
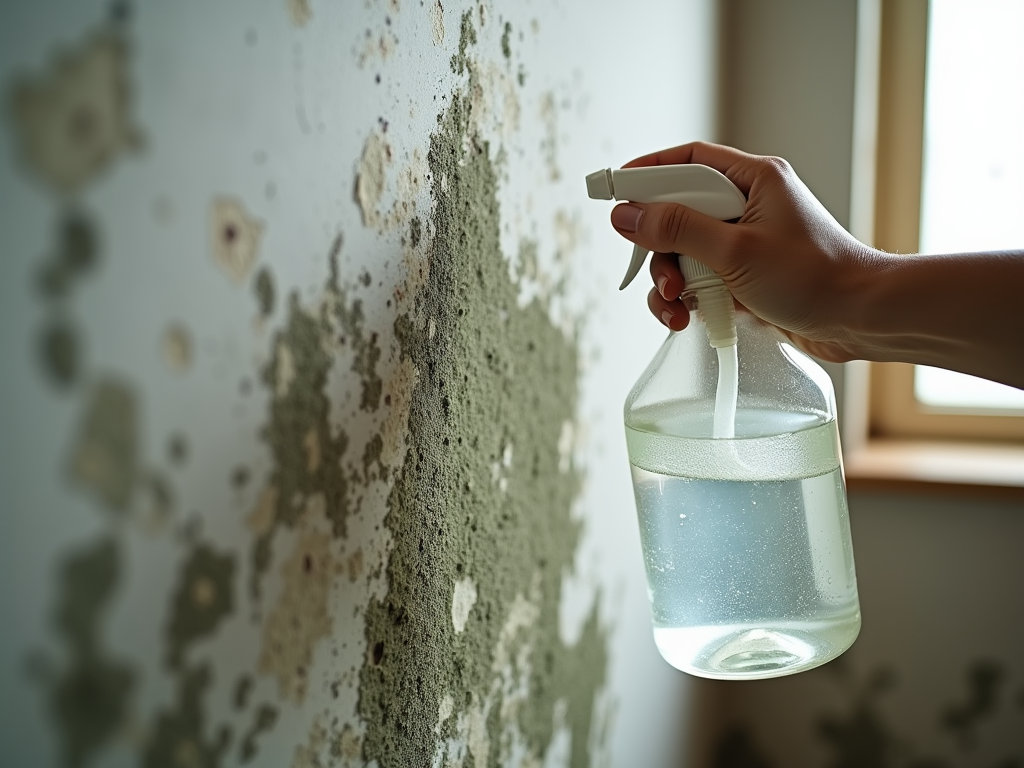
point(778, 166)
point(673, 224)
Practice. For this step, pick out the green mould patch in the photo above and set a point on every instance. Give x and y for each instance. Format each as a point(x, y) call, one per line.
point(89, 698)
point(105, 457)
point(467, 37)
point(76, 255)
point(205, 596)
point(178, 737)
point(263, 287)
point(307, 453)
point(481, 497)
point(60, 352)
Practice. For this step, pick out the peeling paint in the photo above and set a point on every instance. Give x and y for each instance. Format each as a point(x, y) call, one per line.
point(73, 120)
point(234, 238)
point(463, 599)
point(437, 22)
point(371, 178)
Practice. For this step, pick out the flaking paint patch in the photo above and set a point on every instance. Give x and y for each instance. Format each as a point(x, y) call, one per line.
point(300, 618)
point(371, 177)
point(235, 237)
point(485, 381)
point(463, 600)
point(105, 460)
point(73, 120)
point(437, 22)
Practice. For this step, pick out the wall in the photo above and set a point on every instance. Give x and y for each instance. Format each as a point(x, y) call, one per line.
point(312, 372)
point(935, 677)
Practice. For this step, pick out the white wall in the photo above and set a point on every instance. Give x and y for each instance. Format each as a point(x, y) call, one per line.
point(260, 119)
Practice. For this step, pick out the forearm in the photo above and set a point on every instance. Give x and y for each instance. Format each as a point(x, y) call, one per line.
point(964, 312)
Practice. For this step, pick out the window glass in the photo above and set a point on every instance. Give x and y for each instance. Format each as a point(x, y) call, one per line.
point(972, 196)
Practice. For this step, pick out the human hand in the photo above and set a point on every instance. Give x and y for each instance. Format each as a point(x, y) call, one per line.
point(786, 260)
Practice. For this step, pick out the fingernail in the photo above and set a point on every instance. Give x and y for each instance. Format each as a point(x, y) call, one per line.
point(666, 318)
point(662, 282)
point(627, 217)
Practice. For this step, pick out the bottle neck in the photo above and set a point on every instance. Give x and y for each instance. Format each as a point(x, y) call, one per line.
point(716, 309)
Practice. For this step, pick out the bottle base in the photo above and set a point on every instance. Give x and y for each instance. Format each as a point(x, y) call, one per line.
point(745, 652)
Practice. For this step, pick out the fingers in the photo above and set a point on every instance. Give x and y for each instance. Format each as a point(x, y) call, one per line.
point(671, 228)
point(666, 275)
point(673, 314)
point(736, 165)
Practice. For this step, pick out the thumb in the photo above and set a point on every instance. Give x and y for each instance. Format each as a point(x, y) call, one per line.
point(674, 228)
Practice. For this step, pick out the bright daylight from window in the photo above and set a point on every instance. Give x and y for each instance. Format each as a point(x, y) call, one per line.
point(972, 196)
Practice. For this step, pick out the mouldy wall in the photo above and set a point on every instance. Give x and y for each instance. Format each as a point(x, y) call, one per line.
point(308, 488)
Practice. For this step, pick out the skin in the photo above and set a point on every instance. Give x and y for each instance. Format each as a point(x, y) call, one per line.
point(790, 263)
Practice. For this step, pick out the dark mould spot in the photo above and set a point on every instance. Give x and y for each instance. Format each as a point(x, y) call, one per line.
point(365, 278)
point(243, 688)
point(177, 448)
point(230, 233)
point(204, 598)
point(60, 353)
point(378, 653)
point(307, 564)
point(377, 79)
point(120, 11)
point(240, 477)
point(263, 286)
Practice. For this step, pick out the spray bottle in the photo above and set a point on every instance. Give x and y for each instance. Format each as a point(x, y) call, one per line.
point(737, 472)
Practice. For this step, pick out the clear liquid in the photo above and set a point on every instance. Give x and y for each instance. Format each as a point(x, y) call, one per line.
point(750, 574)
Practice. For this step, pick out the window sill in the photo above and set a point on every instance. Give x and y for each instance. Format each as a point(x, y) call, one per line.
point(932, 466)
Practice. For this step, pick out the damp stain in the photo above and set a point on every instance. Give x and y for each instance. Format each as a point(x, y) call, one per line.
point(71, 121)
point(203, 599)
point(235, 237)
point(104, 460)
point(89, 697)
point(485, 380)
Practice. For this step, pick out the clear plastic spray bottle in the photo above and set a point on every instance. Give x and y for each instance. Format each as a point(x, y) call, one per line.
point(737, 473)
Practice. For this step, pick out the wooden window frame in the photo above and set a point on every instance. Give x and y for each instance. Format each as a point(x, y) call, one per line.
point(894, 442)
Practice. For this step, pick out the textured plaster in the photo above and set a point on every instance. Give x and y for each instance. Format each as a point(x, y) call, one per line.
point(495, 383)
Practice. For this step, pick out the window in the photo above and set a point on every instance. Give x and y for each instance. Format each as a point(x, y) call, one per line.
point(945, 178)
